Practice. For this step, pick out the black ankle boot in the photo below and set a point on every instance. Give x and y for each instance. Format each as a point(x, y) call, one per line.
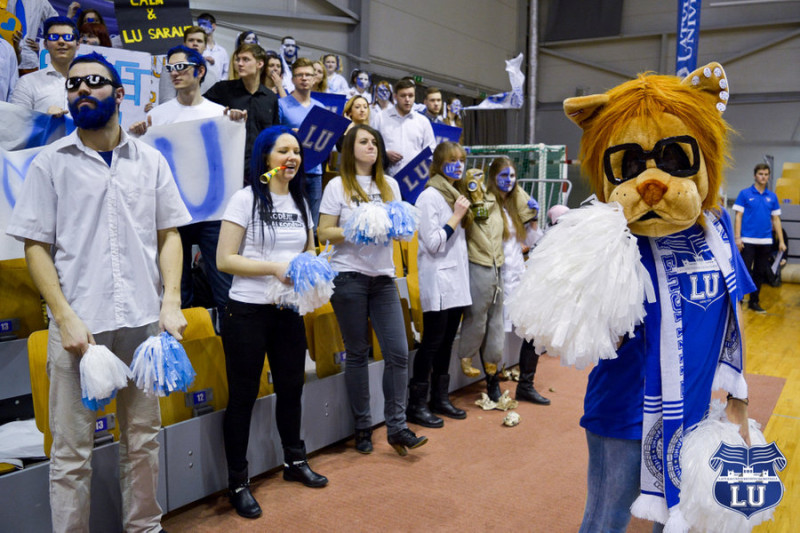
point(240, 496)
point(528, 361)
point(364, 440)
point(295, 467)
point(440, 399)
point(418, 411)
point(404, 440)
point(493, 387)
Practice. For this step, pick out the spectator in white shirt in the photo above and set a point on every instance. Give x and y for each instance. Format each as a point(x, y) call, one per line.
point(8, 70)
point(43, 90)
point(406, 133)
point(336, 82)
point(216, 56)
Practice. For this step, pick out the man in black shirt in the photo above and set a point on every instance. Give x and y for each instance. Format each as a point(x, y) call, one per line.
point(249, 94)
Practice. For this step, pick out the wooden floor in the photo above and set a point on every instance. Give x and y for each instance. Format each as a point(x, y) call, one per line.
point(773, 349)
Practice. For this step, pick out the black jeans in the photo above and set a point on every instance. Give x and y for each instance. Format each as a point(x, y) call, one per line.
point(248, 332)
point(355, 299)
point(756, 258)
point(438, 331)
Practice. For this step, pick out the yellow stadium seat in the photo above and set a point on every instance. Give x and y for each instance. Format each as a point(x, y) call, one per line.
point(324, 340)
point(19, 297)
point(40, 387)
point(199, 324)
point(413, 282)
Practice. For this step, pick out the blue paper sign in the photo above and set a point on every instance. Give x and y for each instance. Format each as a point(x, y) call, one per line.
point(412, 177)
point(443, 132)
point(318, 134)
point(688, 37)
point(333, 102)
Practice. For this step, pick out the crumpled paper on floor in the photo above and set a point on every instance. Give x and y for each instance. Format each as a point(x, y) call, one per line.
point(503, 404)
point(511, 419)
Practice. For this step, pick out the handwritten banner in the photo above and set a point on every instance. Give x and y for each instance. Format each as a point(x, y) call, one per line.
point(412, 177)
point(152, 26)
point(688, 37)
point(204, 156)
point(332, 102)
point(443, 132)
point(318, 134)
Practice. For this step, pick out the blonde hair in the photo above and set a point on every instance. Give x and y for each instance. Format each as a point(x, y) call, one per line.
point(647, 97)
point(322, 86)
point(506, 200)
point(351, 102)
point(352, 190)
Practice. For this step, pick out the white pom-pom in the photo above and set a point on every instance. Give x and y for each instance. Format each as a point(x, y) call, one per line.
point(369, 224)
point(650, 507)
point(583, 288)
point(676, 522)
point(701, 510)
point(102, 373)
point(161, 366)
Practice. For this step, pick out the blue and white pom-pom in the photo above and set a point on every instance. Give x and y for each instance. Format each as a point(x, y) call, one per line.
point(369, 224)
point(584, 286)
point(312, 277)
point(160, 366)
point(405, 220)
point(102, 373)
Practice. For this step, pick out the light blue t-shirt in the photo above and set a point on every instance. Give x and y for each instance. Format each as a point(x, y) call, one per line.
point(292, 113)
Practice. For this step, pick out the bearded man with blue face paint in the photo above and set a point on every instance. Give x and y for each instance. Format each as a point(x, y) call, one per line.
point(98, 214)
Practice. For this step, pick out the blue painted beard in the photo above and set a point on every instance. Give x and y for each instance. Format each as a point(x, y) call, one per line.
point(87, 118)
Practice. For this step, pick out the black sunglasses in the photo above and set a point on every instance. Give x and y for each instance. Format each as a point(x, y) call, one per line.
point(678, 156)
point(68, 37)
point(94, 81)
point(179, 67)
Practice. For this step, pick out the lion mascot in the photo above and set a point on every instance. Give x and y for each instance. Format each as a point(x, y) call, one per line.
point(645, 283)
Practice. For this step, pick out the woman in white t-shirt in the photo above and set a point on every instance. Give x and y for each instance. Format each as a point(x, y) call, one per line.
point(365, 290)
point(443, 284)
point(264, 227)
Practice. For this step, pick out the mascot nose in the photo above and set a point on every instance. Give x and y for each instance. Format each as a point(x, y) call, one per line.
point(651, 191)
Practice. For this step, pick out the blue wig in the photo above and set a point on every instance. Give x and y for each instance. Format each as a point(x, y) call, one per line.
point(262, 197)
point(94, 57)
point(192, 56)
point(60, 21)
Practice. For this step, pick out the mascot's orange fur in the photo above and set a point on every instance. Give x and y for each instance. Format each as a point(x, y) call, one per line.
point(642, 112)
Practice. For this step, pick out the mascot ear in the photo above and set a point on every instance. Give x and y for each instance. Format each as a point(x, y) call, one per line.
point(712, 83)
point(582, 109)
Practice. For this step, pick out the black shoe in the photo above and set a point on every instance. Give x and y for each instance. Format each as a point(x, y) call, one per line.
point(418, 411)
point(242, 500)
point(405, 440)
point(493, 387)
point(440, 399)
point(757, 308)
point(364, 441)
point(526, 392)
point(301, 472)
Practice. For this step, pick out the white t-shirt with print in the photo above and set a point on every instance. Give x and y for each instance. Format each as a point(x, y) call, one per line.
point(283, 242)
point(367, 259)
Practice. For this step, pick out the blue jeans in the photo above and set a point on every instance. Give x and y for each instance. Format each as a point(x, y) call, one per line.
point(355, 299)
point(314, 194)
point(613, 482)
point(205, 235)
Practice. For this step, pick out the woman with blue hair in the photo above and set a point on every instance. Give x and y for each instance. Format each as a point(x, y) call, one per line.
point(264, 227)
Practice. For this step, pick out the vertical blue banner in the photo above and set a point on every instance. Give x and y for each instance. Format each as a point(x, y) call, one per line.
point(332, 102)
point(688, 37)
point(318, 134)
point(443, 132)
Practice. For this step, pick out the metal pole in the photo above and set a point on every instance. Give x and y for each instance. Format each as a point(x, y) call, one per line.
point(533, 45)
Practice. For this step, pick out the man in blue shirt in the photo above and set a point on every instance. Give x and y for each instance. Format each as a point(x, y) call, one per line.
point(292, 110)
point(757, 214)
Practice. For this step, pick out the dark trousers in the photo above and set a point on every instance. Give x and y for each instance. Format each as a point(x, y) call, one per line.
point(355, 299)
point(439, 329)
point(248, 332)
point(205, 235)
point(756, 257)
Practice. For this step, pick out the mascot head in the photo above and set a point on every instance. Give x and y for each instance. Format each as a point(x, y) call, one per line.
point(658, 146)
